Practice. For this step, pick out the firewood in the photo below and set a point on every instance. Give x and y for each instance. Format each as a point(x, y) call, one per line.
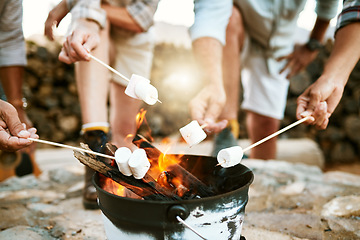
point(140, 187)
point(191, 182)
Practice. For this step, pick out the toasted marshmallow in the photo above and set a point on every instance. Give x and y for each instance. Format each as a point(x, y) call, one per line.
point(193, 133)
point(139, 163)
point(231, 156)
point(122, 156)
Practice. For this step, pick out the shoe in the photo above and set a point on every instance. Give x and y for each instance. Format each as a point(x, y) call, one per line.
point(19, 163)
point(96, 140)
point(223, 139)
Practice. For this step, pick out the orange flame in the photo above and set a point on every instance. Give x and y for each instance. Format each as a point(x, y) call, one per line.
point(159, 164)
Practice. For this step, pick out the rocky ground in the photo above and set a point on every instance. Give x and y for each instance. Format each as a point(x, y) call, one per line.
point(289, 199)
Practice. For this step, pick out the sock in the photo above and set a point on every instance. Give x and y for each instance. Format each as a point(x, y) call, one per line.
point(103, 126)
point(233, 124)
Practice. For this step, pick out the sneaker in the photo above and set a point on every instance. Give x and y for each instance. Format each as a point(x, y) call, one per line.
point(96, 140)
point(223, 139)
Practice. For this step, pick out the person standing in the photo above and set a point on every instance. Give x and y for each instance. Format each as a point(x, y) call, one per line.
point(260, 47)
point(118, 32)
point(12, 63)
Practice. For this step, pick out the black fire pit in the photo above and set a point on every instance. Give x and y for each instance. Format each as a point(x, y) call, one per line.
point(216, 217)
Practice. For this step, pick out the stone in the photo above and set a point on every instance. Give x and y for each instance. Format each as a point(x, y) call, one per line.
point(20, 232)
point(345, 206)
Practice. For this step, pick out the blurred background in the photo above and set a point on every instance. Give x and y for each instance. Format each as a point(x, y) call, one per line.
point(53, 106)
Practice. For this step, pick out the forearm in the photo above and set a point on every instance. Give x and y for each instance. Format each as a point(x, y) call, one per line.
point(345, 54)
point(319, 30)
point(208, 54)
point(120, 17)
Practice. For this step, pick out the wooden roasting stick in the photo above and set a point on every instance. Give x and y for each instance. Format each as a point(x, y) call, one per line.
point(277, 133)
point(151, 190)
point(272, 135)
point(153, 153)
point(108, 67)
point(71, 147)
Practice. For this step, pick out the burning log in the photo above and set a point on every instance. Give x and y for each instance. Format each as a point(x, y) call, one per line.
point(190, 181)
point(146, 188)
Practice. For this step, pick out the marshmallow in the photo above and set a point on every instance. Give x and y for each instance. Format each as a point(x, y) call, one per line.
point(140, 88)
point(134, 80)
point(193, 133)
point(147, 92)
point(122, 156)
point(139, 163)
point(229, 157)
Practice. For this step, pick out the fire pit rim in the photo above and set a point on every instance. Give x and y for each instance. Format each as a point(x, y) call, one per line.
point(197, 200)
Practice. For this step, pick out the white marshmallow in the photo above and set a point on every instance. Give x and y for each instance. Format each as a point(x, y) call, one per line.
point(134, 80)
point(140, 88)
point(231, 156)
point(147, 92)
point(193, 133)
point(139, 163)
point(122, 156)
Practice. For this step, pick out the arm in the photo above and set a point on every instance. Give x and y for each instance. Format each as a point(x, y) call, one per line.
point(330, 86)
point(120, 17)
point(54, 18)
point(208, 104)
point(302, 55)
point(13, 135)
point(208, 36)
point(136, 17)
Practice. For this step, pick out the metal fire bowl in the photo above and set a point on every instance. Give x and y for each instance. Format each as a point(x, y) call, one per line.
point(155, 217)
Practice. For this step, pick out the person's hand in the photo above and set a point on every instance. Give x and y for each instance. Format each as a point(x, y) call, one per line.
point(297, 60)
point(320, 100)
point(83, 39)
point(206, 107)
point(13, 134)
point(54, 18)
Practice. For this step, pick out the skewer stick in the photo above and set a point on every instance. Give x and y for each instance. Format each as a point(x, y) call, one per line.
point(274, 135)
point(108, 67)
point(277, 133)
point(71, 147)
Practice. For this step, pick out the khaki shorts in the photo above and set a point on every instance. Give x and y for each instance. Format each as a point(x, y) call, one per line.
point(134, 55)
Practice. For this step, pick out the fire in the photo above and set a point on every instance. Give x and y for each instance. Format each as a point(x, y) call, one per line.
point(113, 187)
point(160, 169)
point(140, 118)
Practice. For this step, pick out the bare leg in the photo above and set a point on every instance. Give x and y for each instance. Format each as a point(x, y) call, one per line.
point(231, 64)
point(12, 81)
point(123, 111)
point(93, 83)
point(259, 127)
